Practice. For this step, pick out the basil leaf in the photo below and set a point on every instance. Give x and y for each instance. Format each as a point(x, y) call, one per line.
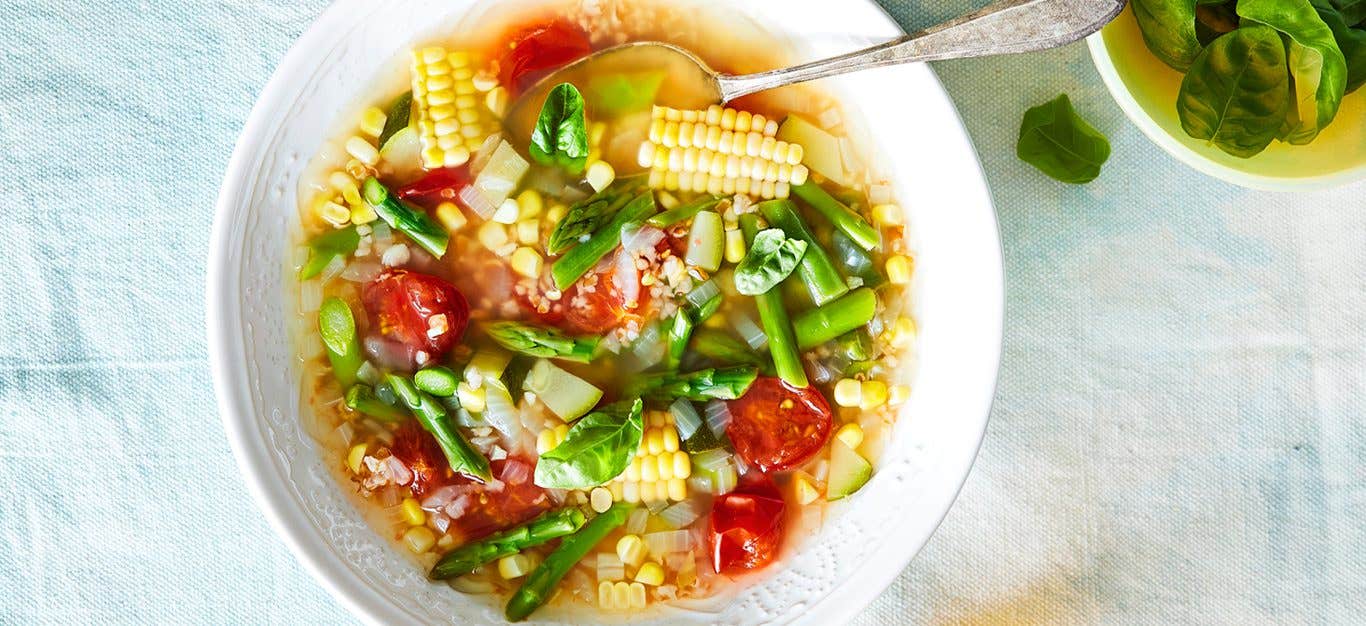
point(597, 449)
point(1237, 92)
point(1056, 140)
point(326, 247)
point(561, 135)
point(1318, 70)
point(541, 341)
point(400, 114)
point(771, 258)
point(1169, 30)
point(1352, 41)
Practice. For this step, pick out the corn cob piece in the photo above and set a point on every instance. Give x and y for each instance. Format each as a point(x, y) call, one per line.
point(660, 469)
point(451, 122)
point(720, 151)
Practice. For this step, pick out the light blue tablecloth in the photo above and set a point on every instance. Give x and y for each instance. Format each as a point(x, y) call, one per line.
point(1178, 434)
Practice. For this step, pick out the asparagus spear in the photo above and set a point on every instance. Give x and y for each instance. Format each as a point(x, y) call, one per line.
point(540, 584)
point(855, 261)
point(841, 216)
point(782, 344)
point(587, 216)
point(817, 272)
point(437, 380)
point(337, 327)
point(683, 212)
point(721, 347)
point(728, 383)
point(326, 247)
point(414, 223)
point(824, 323)
point(470, 556)
point(362, 398)
point(542, 341)
point(433, 417)
point(584, 256)
point(681, 328)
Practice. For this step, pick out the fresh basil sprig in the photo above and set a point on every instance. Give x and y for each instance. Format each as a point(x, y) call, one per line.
point(771, 259)
point(597, 449)
point(1056, 140)
point(561, 134)
point(542, 341)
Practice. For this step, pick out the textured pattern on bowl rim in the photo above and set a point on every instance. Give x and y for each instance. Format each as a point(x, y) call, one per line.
point(858, 553)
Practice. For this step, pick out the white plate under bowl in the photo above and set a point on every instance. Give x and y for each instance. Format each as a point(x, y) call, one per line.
point(958, 303)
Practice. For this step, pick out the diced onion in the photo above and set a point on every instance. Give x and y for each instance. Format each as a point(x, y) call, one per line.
point(361, 271)
point(610, 567)
point(718, 416)
point(703, 292)
point(685, 418)
point(649, 347)
point(334, 268)
point(626, 278)
point(485, 151)
point(681, 514)
point(725, 480)
point(499, 411)
point(749, 331)
point(476, 202)
point(711, 460)
point(641, 240)
point(668, 541)
point(635, 524)
point(440, 521)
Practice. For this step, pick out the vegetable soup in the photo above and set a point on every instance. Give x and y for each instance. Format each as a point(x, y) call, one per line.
point(622, 361)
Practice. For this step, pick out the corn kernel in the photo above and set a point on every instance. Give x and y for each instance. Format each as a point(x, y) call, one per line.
point(335, 214)
point(630, 492)
point(651, 574)
point(682, 464)
point(526, 262)
point(362, 150)
point(735, 245)
point(561, 432)
point(419, 539)
point(670, 440)
point(898, 395)
point(851, 434)
point(545, 441)
point(372, 121)
point(355, 457)
point(677, 489)
point(555, 213)
point(848, 392)
point(600, 499)
point(874, 394)
point(649, 470)
point(471, 398)
point(618, 490)
point(902, 331)
point(621, 595)
point(605, 594)
point(492, 235)
point(633, 470)
point(662, 490)
point(450, 216)
point(412, 512)
point(899, 269)
point(600, 174)
point(514, 566)
point(654, 441)
point(637, 597)
point(361, 213)
point(507, 212)
point(531, 203)
point(664, 465)
point(887, 214)
point(528, 231)
point(804, 492)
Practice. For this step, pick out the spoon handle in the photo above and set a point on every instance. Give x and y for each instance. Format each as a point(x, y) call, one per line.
point(1004, 27)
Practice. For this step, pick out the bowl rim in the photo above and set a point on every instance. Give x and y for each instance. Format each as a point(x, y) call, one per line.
point(1114, 83)
point(227, 343)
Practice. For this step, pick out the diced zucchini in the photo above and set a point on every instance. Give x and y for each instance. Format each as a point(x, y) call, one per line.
point(848, 471)
point(401, 157)
point(706, 241)
point(565, 394)
point(821, 149)
point(486, 364)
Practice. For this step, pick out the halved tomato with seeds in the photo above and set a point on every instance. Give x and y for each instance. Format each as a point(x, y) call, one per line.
point(404, 306)
point(746, 525)
point(776, 426)
point(418, 450)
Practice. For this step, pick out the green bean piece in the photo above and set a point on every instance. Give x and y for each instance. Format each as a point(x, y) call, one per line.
point(822, 280)
point(415, 223)
point(824, 323)
point(398, 117)
point(782, 344)
point(839, 215)
point(432, 415)
point(362, 399)
point(683, 212)
point(584, 256)
point(727, 383)
point(469, 557)
point(326, 247)
point(542, 341)
point(337, 327)
point(540, 584)
point(437, 380)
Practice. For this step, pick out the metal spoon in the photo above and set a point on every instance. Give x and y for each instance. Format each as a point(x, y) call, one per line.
point(1005, 27)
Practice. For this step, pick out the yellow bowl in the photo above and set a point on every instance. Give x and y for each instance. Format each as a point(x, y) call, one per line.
point(1146, 90)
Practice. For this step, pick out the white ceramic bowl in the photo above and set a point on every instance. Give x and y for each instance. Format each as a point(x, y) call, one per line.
point(868, 540)
point(1146, 91)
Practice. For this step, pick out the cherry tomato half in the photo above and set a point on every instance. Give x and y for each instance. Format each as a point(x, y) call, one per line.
point(746, 525)
point(776, 426)
point(437, 186)
point(537, 50)
point(420, 452)
point(401, 305)
point(511, 500)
